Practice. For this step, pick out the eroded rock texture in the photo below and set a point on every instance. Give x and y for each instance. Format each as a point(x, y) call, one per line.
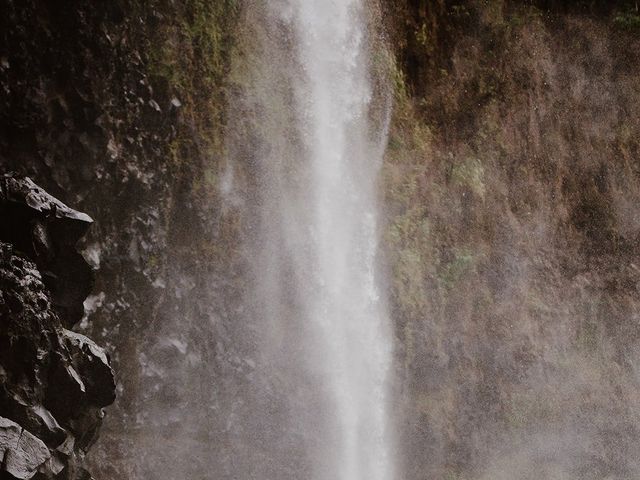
point(53, 382)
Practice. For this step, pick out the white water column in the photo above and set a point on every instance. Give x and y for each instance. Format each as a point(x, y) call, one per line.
point(320, 234)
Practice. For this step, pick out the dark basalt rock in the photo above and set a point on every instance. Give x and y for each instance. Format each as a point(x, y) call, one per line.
point(53, 382)
point(91, 362)
point(46, 230)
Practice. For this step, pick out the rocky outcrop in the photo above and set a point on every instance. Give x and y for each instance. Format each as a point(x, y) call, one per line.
point(54, 383)
point(118, 109)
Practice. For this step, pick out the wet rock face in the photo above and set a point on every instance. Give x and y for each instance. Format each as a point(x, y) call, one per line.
point(46, 230)
point(53, 382)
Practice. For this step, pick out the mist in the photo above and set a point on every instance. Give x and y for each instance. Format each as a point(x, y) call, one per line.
point(320, 240)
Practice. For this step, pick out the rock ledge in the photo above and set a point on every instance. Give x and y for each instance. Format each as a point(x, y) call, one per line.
point(54, 382)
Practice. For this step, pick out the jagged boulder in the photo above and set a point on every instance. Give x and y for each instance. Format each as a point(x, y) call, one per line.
point(54, 382)
point(46, 230)
point(91, 362)
point(22, 453)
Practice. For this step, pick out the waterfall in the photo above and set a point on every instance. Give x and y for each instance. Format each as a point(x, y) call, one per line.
point(315, 249)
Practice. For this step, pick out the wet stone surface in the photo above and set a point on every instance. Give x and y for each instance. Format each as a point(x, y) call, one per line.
point(53, 382)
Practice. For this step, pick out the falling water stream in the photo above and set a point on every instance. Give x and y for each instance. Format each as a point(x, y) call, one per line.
point(318, 242)
point(345, 306)
point(342, 219)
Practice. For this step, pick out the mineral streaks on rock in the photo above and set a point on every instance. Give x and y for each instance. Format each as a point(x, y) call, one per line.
point(53, 382)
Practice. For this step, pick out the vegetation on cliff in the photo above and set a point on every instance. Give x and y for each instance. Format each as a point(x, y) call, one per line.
point(511, 164)
point(510, 186)
point(117, 108)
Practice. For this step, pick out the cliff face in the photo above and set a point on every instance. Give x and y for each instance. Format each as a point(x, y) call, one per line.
point(54, 382)
point(511, 191)
point(512, 185)
point(116, 109)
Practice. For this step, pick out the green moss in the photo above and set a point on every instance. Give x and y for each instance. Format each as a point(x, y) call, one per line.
point(517, 416)
point(211, 177)
point(152, 261)
point(195, 46)
point(452, 272)
point(470, 173)
point(628, 20)
point(189, 54)
point(409, 281)
point(453, 476)
point(493, 12)
point(523, 16)
point(461, 11)
point(395, 143)
point(422, 35)
point(399, 80)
